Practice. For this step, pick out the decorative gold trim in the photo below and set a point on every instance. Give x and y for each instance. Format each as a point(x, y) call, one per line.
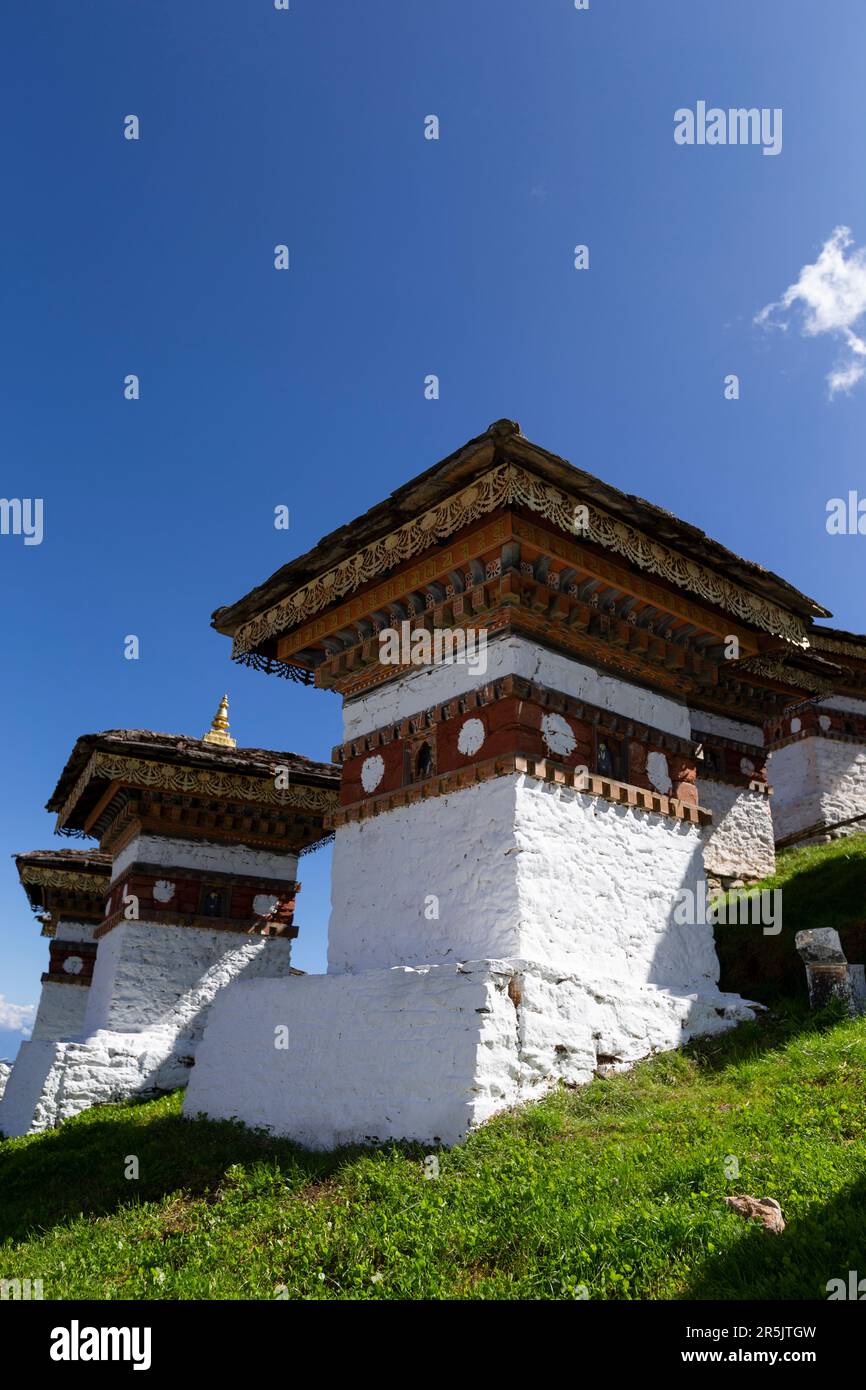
point(830, 644)
point(141, 772)
point(508, 485)
point(419, 534)
point(68, 879)
point(777, 669)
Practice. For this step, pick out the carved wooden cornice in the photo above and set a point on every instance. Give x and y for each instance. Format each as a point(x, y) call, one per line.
point(509, 485)
point(832, 644)
point(67, 879)
point(140, 772)
point(776, 668)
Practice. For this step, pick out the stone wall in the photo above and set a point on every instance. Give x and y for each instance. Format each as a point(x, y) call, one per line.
point(514, 867)
point(426, 1054)
point(817, 782)
point(61, 1012)
point(739, 844)
point(842, 774)
point(459, 850)
point(148, 974)
point(597, 886)
point(147, 1008)
point(52, 1081)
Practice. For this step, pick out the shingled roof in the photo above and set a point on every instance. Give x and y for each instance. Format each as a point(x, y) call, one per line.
point(503, 442)
point(79, 861)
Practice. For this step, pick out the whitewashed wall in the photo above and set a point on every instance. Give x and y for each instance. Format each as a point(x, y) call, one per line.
point(147, 974)
point(705, 723)
point(177, 854)
point(146, 1011)
point(817, 781)
point(512, 656)
point(52, 1081)
point(516, 867)
point(74, 931)
point(459, 849)
point(842, 778)
point(793, 774)
point(426, 1054)
point(24, 1087)
point(597, 885)
point(61, 1011)
point(739, 843)
point(846, 704)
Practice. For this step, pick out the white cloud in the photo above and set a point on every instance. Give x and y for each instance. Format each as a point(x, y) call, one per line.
point(831, 294)
point(17, 1017)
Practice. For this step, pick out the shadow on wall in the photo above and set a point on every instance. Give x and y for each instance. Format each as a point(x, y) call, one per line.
point(740, 844)
point(683, 952)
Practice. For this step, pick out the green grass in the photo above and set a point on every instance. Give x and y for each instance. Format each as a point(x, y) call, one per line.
point(618, 1186)
point(822, 886)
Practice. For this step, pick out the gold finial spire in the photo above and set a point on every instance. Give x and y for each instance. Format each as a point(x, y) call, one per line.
point(219, 730)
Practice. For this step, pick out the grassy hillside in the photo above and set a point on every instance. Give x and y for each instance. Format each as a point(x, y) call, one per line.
point(617, 1187)
point(822, 886)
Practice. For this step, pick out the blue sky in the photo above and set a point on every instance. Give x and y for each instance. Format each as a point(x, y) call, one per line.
point(408, 257)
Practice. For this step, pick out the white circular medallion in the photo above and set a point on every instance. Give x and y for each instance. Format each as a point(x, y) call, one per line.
point(746, 765)
point(558, 735)
point(73, 965)
point(825, 722)
point(657, 772)
point(796, 726)
point(471, 737)
point(264, 904)
point(372, 772)
point(163, 890)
